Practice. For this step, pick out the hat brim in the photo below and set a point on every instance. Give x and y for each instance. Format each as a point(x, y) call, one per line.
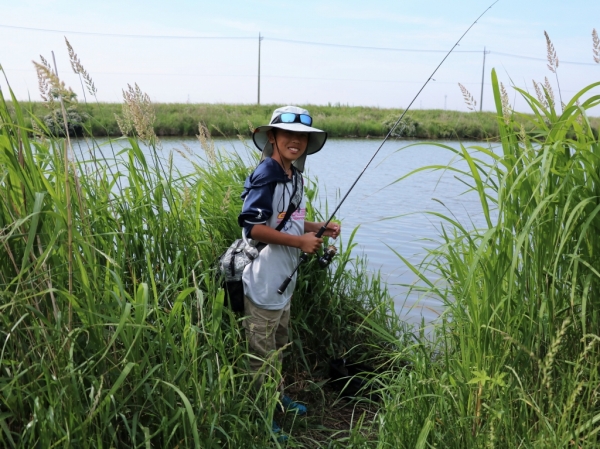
point(316, 140)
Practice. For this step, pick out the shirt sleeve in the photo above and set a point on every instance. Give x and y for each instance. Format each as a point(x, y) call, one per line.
point(257, 208)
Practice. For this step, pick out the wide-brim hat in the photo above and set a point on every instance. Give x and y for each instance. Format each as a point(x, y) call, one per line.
point(316, 137)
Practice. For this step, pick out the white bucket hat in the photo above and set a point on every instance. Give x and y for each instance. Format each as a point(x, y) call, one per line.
point(316, 137)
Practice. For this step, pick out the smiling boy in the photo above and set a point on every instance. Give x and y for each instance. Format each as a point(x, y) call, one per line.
point(268, 192)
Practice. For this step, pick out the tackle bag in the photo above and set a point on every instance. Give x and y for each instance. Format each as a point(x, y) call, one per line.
point(231, 267)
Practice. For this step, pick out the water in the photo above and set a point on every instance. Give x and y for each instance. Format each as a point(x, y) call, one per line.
point(390, 214)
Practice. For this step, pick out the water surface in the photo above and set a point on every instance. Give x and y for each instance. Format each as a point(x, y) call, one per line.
point(390, 215)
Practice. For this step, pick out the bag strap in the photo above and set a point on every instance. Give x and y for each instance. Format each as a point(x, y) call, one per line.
point(288, 213)
point(291, 207)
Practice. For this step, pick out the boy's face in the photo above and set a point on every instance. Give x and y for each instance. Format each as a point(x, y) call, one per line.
point(291, 145)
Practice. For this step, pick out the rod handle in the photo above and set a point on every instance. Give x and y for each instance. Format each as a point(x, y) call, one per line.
point(321, 231)
point(284, 284)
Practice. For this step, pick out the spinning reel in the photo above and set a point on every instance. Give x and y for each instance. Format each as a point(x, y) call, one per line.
point(328, 254)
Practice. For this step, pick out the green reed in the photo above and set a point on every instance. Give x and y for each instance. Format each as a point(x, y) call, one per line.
point(113, 328)
point(514, 362)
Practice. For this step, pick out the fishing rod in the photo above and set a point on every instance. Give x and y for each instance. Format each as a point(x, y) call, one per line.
point(330, 253)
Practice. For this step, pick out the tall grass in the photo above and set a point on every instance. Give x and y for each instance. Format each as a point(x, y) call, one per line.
point(112, 328)
point(515, 363)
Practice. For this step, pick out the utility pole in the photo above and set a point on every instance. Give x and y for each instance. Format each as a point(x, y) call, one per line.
point(482, 79)
point(260, 38)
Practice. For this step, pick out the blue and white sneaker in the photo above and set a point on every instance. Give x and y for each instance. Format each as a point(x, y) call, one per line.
point(292, 406)
point(281, 437)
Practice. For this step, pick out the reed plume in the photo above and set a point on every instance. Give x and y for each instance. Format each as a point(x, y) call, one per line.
point(540, 94)
point(50, 86)
point(596, 46)
point(226, 200)
point(44, 74)
point(505, 104)
point(125, 121)
point(551, 54)
point(522, 133)
point(549, 359)
point(552, 63)
point(549, 92)
point(80, 70)
point(469, 100)
point(137, 115)
point(207, 143)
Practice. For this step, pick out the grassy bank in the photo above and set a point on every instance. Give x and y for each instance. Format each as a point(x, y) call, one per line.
point(339, 121)
point(113, 327)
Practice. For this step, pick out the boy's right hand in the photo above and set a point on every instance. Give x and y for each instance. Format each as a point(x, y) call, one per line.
point(309, 243)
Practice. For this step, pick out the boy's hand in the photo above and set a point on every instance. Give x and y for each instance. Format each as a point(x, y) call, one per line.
point(309, 243)
point(333, 230)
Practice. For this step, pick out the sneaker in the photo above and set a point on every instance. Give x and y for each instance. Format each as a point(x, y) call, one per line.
point(293, 406)
point(281, 437)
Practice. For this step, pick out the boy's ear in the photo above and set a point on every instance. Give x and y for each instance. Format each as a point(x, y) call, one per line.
point(271, 136)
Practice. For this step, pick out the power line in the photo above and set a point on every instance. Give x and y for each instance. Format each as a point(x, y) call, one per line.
point(360, 47)
point(228, 75)
point(540, 59)
point(151, 36)
point(291, 41)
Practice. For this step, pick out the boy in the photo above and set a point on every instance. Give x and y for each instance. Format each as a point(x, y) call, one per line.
point(268, 191)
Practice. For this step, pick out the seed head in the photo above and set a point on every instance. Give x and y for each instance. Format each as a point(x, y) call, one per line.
point(540, 94)
point(80, 70)
point(207, 144)
point(137, 115)
point(549, 92)
point(551, 54)
point(469, 100)
point(51, 87)
point(596, 46)
point(505, 104)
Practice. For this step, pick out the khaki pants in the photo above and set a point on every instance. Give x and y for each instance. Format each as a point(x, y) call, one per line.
point(267, 332)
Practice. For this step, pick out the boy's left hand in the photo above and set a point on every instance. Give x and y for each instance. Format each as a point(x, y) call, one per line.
point(333, 229)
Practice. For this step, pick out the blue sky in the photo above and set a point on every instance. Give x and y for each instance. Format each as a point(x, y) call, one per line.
point(225, 70)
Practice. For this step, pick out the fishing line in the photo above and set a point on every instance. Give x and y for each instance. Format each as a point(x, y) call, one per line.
point(321, 231)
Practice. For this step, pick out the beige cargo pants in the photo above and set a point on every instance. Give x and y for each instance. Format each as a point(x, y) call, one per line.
point(267, 334)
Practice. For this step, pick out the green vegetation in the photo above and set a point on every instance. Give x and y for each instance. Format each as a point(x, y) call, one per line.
point(339, 121)
point(113, 331)
point(515, 362)
point(112, 327)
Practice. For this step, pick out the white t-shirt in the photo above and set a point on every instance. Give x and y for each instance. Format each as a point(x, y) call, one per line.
point(275, 263)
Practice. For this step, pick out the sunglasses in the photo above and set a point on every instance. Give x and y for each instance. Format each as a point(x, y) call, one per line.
point(290, 117)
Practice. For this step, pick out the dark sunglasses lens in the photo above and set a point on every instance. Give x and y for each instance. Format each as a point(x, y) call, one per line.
point(287, 117)
point(305, 119)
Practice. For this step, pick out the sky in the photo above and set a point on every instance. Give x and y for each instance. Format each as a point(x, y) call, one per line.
point(377, 53)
